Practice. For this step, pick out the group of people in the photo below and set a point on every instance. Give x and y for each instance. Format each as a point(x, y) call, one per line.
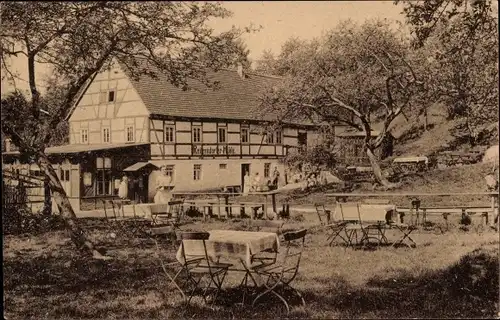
point(162, 186)
point(255, 183)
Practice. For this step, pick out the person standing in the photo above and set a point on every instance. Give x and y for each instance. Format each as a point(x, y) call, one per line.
point(256, 182)
point(123, 188)
point(163, 182)
point(275, 178)
point(246, 183)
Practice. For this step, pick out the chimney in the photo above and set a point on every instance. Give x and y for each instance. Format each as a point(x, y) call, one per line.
point(240, 70)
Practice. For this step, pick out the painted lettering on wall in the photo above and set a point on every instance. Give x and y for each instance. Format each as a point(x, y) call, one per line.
point(215, 150)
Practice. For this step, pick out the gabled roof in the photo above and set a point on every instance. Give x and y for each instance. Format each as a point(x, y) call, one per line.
point(235, 98)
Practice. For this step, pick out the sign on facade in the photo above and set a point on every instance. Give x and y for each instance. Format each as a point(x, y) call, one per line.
point(204, 150)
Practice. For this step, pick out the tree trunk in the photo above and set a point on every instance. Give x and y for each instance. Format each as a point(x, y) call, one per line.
point(77, 235)
point(47, 199)
point(425, 119)
point(377, 171)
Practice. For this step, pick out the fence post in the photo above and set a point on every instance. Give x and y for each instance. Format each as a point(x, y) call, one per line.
point(493, 206)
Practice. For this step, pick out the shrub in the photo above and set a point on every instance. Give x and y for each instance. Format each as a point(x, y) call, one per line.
point(19, 220)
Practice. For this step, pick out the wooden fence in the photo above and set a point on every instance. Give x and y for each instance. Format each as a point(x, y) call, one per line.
point(22, 190)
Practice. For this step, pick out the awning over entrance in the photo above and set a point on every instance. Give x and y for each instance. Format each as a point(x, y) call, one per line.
point(138, 166)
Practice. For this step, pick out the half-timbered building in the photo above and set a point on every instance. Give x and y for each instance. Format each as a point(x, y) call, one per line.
point(207, 138)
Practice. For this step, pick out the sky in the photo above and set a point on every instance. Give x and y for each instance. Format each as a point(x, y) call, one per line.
point(279, 20)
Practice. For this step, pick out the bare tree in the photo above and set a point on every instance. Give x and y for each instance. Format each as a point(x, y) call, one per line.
point(354, 75)
point(78, 39)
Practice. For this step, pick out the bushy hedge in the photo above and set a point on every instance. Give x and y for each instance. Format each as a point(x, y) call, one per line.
point(19, 219)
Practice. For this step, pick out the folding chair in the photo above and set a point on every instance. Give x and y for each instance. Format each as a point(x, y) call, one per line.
point(166, 244)
point(382, 218)
point(128, 226)
point(282, 274)
point(275, 226)
point(169, 214)
point(334, 228)
point(404, 228)
point(197, 269)
point(267, 256)
point(351, 226)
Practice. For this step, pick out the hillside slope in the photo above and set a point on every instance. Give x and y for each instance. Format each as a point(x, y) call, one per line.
point(412, 139)
point(464, 179)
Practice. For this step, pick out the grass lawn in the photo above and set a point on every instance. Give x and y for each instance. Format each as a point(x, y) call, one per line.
point(450, 275)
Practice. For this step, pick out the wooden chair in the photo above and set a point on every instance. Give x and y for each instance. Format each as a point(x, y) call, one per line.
point(276, 226)
point(201, 267)
point(380, 218)
point(171, 213)
point(128, 226)
point(282, 274)
point(336, 224)
point(325, 219)
point(374, 224)
point(324, 215)
point(166, 244)
point(350, 215)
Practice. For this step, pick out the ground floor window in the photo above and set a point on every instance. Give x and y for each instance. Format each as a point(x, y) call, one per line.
point(267, 170)
point(197, 172)
point(63, 175)
point(169, 170)
point(104, 180)
point(104, 176)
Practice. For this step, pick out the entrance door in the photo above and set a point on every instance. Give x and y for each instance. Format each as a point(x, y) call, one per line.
point(139, 186)
point(143, 186)
point(245, 167)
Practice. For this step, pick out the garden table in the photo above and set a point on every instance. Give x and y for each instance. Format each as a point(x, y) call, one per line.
point(231, 244)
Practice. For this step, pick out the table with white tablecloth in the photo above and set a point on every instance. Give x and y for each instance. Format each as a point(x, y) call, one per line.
point(231, 244)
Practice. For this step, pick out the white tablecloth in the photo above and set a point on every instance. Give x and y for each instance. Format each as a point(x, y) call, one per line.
point(231, 244)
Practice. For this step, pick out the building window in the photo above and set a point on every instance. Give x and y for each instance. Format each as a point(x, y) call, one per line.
point(84, 136)
point(169, 133)
point(36, 173)
point(111, 96)
point(302, 139)
point(104, 177)
point(63, 175)
point(169, 171)
point(279, 138)
point(130, 133)
point(221, 135)
point(197, 172)
point(269, 138)
point(223, 166)
point(106, 135)
point(245, 134)
point(267, 170)
point(196, 134)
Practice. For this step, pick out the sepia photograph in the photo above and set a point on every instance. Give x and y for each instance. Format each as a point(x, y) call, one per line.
point(250, 159)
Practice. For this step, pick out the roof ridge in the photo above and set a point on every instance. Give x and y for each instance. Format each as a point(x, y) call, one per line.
point(254, 73)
